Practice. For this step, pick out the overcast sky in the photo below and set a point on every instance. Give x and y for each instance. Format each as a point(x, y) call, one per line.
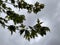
point(50, 15)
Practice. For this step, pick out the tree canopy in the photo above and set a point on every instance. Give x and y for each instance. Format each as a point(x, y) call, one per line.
point(30, 31)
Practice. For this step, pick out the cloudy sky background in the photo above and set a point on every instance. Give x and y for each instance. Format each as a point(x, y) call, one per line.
point(50, 15)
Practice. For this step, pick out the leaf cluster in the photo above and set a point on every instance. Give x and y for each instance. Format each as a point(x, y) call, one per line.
point(31, 31)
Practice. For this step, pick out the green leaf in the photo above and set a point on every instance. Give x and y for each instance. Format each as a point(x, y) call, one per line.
point(36, 4)
point(33, 33)
point(13, 1)
point(22, 4)
point(3, 19)
point(31, 27)
point(12, 28)
point(27, 34)
point(45, 28)
point(23, 26)
point(9, 12)
point(21, 31)
point(1, 2)
point(41, 6)
point(2, 23)
point(9, 8)
point(4, 6)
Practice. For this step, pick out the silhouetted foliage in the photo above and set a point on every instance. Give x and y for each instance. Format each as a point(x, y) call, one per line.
point(12, 28)
point(31, 31)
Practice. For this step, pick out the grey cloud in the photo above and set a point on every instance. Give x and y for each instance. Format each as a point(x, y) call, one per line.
point(53, 42)
point(50, 14)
